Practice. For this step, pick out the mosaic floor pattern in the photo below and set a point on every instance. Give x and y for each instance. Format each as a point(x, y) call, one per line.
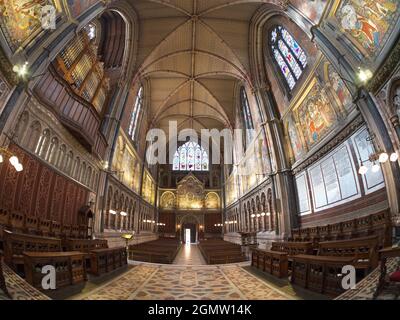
point(18, 288)
point(168, 282)
point(365, 288)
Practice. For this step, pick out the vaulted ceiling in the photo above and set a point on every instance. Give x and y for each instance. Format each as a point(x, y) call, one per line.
point(193, 54)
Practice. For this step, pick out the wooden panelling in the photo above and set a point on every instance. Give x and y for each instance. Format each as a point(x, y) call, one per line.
point(80, 117)
point(39, 191)
point(169, 219)
point(210, 219)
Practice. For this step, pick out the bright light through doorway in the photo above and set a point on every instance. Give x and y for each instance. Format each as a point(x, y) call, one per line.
point(187, 236)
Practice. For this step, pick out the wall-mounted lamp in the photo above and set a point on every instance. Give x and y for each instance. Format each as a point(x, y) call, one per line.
point(14, 161)
point(112, 211)
point(123, 213)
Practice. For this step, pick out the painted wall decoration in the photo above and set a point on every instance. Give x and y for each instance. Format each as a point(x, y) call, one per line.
point(168, 200)
point(77, 7)
point(212, 201)
point(294, 137)
point(149, 188)
point(313, 10)
point(28, 191)
point(126, 162)
point(315, 114)
point(339, 88)
point(19, 19)
point(369, 22)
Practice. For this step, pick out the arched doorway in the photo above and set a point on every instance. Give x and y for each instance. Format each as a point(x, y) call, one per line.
point(189, 229)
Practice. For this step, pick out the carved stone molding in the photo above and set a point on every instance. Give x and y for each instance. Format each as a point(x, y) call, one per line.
point(342, 136)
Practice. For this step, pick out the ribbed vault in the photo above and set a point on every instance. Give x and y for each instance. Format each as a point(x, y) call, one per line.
point(193, 53)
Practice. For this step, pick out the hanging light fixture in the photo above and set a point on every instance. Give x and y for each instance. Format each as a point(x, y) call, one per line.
point(362, 170)
point(394, 156)
point(383, 157)
point(375, 168)
point(13, 159)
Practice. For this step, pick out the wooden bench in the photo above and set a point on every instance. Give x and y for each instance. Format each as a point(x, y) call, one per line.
point(69, 266)
point(322, 273)
point(272, 262)
point(159, 251)
point(220, 251)
point(107, 260)
point(15, 244)
point(378, 224)
point(276, 261)
point(364, 250)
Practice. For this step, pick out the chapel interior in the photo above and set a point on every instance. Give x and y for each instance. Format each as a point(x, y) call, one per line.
point(103, 185)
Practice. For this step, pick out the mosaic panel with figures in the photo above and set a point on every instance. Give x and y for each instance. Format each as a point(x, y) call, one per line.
point(369, 22)
point(19, 19)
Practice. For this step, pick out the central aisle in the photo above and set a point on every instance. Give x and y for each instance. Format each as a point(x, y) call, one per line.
point(169, 282)
point(189, 254)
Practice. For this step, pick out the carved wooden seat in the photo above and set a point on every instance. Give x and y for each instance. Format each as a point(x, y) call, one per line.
point(107, 260)
point(17, 243)
point(364, 250)
point(45, 227)
point(272, 262)
point(17, 220)
point(31, 225)
point(56, 229)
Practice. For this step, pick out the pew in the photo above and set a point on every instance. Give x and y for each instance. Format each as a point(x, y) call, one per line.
point(31, 225)
point(163, 250)
point(220, 251)
point(17, 221)
point(56, 229)
point(107, 260)
point(70, 267)
point(45, 227)
point(15, 244)
point(378, 224)
point(276, 261)
point(322, 272)
point(272, 262)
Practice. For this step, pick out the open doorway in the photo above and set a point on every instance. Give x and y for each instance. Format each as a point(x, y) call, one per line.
point(189, 233)
point(187, 239)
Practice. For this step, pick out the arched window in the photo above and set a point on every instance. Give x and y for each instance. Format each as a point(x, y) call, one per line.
point(190, 157)
point(288, 54)
point(135, 113)
point(244, 102)
point(246, 115)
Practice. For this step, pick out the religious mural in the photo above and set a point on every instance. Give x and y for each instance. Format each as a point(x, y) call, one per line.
point(313, 10)
point(339, 88)
point(126, 164)
point(315, 115)
point(148, 188)
point(294, 137)
point(190, 193)
point(212, 201)
point(19, 19)
point(168, 200)
point(369, 22)
point(77, 7)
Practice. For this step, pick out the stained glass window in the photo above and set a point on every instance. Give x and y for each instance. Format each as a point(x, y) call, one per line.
point(135, 113)
point(288, 54)
point(190, 157)
point(246, 115)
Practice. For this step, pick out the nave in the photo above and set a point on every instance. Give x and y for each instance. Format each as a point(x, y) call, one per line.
point(200, 149)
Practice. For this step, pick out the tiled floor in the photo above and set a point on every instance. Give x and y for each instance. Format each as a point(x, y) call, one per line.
point(173, 282)
point(189, 255)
